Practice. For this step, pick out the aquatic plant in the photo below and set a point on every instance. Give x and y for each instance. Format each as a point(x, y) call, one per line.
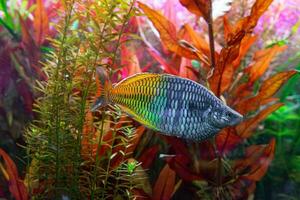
point(228, 167)
point(15, 184)
point(73, 153)
point(283, 175)
point(22, 46)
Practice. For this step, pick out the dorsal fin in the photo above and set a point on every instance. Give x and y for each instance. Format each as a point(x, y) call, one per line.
point(136, 77)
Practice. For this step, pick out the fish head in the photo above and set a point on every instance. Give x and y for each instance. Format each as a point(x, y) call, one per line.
point(224, 116)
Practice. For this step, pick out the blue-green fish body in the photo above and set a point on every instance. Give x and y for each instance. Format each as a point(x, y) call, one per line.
point(172, 105)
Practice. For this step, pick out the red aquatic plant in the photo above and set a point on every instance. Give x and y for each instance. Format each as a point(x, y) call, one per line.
point(22, 43)
point(9, 171)
point(208, 162)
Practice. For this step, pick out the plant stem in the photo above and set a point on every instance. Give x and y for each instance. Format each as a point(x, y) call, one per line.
point(212, 67)
point(211, 40)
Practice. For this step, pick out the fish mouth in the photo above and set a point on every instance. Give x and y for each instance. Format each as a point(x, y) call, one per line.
point(238, 119)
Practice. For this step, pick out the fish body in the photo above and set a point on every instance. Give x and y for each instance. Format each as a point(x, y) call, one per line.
point(169, 104)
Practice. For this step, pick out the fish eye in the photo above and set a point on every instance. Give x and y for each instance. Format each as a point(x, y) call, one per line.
point(228, 114)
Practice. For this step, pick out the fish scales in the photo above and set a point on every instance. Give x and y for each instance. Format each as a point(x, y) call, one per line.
point(168, 104)
point(172, 105)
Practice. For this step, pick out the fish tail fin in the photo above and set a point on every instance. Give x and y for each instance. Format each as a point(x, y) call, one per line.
point(103, 84)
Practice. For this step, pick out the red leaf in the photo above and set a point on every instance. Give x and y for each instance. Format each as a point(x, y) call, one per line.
point(200, 44)
point(206, 150)
point(40, 23)
point(268, 88)
point(246, 43)
point(27, 95)
point(165, 66)
point(246, 25)
point(27, 39)
point(31, 49)
point(262, 60)
point(227, 139)
point(180, 166)
point(167, 32)
point(16, 185)
point(242, 188)
point(197, 7)
point(227, 27)
point(245, 128)
point(88, 148)
point(221, 79)
point(165, 184)
point(178, 146)
point(148, 156)
point(258, 158)
point(259, 7)
point(186, 70)
point(129, 61)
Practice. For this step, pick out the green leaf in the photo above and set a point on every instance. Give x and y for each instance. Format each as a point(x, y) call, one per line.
point(131, 166)
point(277, 42)
point(296, 27)
point(8, 20)
point(294, 166)
point(196, 64)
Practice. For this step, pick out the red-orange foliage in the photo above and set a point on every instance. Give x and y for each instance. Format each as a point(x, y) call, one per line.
point(10, 172)
point(236, 85)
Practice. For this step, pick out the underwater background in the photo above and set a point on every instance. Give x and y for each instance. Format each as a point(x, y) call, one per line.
point(52, 146)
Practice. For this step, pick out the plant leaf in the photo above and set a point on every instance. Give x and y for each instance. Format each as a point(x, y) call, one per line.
point(167, 32)
point(32, 50)
point(245, 128)
point(262, 60)
point(40, 23)
point(164, 65)
point(148, 156)
point(258, 158)
point(227, 139)
point(186, 71)
point(27, 39)
point(221, 79)
point(129, 61)
point(165, 184)
point(7, 18)
point(179, 164)
point(268, 88)
point(227, 27)
point(246, 24)
point(200, 43)
point(137, 137)
point(16, 186)
point(197, 7)
point(27, 96)
point(246, 43)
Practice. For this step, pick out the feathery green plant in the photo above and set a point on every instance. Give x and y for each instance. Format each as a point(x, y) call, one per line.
point(89, 36)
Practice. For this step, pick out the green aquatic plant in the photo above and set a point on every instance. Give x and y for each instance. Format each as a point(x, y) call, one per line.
point(73, 153)
point(284, 125)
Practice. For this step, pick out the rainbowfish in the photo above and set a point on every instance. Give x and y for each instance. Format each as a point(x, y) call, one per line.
point(169, 104)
